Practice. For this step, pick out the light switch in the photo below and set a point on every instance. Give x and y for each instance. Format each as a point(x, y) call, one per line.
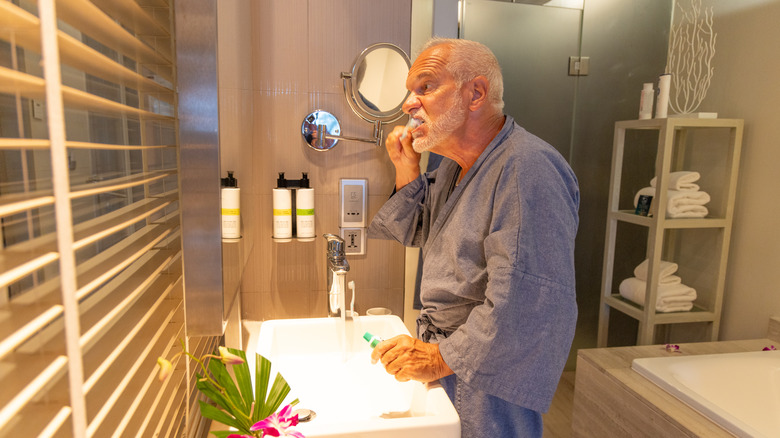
point(353, 193)
point(37, 109)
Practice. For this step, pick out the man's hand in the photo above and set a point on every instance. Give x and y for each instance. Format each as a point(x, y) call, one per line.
point(411, 359)
point(403, 156)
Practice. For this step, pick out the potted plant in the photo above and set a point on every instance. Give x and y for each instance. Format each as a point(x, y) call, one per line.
point(252, 410)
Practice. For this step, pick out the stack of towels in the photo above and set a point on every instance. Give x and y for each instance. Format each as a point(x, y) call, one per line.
point(672, 295)
point(683, 199)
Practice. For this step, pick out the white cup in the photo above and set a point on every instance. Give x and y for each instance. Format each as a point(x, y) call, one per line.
point(379, 311)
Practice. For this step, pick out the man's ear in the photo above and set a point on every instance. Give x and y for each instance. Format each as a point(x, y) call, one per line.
point(478, 87)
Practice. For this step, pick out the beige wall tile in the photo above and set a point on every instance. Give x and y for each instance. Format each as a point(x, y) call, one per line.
point(234, 25)
point(236, 117)
point(288, 304)
point(263, 245)
point(235, 140)
point(278, 144)
point(318, 304)
point(296, 66)
point(251, 306)
point(280, 31)
point(347, 27)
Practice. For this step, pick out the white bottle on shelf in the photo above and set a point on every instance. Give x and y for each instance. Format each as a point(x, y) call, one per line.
point(646, 102)
point(230, 200)
point(282, 226)
point(304, 212)
point(662, 105)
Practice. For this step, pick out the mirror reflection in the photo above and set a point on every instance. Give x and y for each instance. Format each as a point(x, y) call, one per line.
point(374, 87)
point(376, 81)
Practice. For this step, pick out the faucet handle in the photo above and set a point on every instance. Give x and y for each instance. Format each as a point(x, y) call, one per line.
point(335, 244)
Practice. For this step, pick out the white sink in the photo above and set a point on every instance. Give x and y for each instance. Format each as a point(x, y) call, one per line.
point(329, 370)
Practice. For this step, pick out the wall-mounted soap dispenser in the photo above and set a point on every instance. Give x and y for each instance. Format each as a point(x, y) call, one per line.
point(293, 209)
point(283, 224)
point(230, 199)
point(304, 209)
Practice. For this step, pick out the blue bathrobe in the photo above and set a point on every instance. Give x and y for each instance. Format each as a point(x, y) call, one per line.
point(497, 283)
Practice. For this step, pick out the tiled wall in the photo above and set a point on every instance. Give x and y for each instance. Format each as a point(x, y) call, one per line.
point(282, 61)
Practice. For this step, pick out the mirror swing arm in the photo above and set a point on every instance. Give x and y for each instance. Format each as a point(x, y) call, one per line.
point(349, 95)
point(321, 130)
point(323, 135)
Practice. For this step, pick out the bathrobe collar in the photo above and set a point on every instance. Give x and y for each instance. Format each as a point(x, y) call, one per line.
point(449, 170)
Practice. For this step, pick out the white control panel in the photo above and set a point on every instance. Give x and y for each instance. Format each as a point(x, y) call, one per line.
point(354, 195)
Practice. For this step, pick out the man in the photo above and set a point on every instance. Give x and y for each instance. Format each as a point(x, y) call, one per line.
point(496, 222)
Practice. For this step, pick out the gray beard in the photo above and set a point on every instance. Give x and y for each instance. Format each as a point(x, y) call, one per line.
point(440, 129)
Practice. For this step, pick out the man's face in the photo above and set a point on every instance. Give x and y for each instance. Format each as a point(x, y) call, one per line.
point(434, 100)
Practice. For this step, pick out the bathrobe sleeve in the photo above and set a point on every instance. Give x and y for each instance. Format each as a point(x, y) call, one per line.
point(404, 217)
point(514, 344)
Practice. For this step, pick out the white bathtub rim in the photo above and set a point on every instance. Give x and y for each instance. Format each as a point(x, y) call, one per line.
point(655, 369)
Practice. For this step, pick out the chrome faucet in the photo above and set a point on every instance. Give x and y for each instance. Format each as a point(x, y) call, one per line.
point(337, 273)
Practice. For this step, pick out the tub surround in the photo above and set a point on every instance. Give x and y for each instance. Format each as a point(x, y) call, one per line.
point(774, 329)
point(611, 399)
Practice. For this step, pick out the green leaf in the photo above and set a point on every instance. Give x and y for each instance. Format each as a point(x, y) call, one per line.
point(262, 374)
point(213, 393)
point(222, 377)
point(279, 391)
point(243, 379)
point(215, 414)
point(222, 433)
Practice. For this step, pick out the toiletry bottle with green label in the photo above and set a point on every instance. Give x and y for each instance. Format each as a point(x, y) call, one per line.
point(230, 201)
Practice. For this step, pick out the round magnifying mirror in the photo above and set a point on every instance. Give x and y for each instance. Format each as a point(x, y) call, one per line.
point(376, 89)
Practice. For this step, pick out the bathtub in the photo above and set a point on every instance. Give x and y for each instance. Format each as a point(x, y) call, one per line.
point(738, 391)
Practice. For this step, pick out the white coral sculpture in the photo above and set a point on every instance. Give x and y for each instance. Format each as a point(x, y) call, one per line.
point(691, 49)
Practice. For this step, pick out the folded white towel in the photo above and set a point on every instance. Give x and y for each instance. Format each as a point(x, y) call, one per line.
point(687, 211)
point(682, 180)
point(670, 297)
point(666, 275)
point(679, 204)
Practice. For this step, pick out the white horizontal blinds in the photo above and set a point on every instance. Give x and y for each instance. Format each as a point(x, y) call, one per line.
point(90, 264)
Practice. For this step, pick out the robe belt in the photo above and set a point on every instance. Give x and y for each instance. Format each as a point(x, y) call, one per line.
point(427, 331)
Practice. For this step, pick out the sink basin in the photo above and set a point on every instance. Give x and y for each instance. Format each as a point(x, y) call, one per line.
point(328, 366)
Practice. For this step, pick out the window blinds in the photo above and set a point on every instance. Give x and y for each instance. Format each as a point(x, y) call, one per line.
point(90, 263)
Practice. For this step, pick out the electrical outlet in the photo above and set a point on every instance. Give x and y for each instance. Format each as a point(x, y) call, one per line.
point(354, 240)
point(354, 193)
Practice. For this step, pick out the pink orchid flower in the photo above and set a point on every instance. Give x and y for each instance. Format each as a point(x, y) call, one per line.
point(278, 423)
point(229, 358)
